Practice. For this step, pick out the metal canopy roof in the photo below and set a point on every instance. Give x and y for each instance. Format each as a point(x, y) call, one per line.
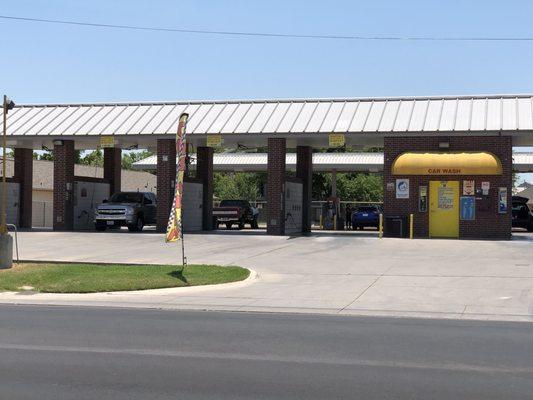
point(386, 115)
point(322, 162)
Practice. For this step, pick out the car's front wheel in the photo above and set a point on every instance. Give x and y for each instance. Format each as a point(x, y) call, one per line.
point(138, 226)
point(100, 228)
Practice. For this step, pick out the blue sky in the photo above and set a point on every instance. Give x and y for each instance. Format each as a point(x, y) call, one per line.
point(58, 63)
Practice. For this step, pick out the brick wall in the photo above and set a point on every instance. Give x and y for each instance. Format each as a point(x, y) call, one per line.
point(304, 171)
point(113, 168)
point(275, 186)
point(166, 174)
point(64, 186)
point(204, 172)
point(24, 175)
point(487, 224)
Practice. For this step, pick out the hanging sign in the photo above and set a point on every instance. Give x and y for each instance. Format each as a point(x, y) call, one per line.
point(468, 188)
point(502, 200)
point(337, 140)
point(467, 208)
point(402, 188)
point(214, 140)
point(107, 142)
point(485, 186)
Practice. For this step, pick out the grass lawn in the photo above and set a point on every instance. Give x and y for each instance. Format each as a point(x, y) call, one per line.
point(90, 278)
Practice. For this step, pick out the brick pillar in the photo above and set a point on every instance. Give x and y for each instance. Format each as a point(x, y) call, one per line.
point(24, 175)
point(276, 186)
point(304, 171)
point(64, 186)
point(113, 168)
point(204, 171)
point(166, 175)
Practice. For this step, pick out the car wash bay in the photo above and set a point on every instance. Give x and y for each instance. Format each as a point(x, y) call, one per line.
point(449, 135)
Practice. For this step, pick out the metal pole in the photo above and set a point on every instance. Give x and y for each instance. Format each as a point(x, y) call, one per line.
point(3, 212)
point(183, 257)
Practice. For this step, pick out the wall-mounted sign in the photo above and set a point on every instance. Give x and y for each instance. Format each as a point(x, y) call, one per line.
point(107, 142)
point(485, 186)
point(502, 200)
point(445, 197)
point(402, 188)
point(467, 205)
point(336, 140)
point(423, 198)
point(469, 188)
point(214, 140)
point(390, 186)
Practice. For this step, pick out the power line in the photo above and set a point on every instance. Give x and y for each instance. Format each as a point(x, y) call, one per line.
point(271, 34)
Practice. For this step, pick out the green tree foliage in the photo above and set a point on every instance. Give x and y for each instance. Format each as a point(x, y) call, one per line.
point(360, 187)
point(133, 156)
point(234, 186)
point(46, 155)
point(350, 186)
point(94, 158)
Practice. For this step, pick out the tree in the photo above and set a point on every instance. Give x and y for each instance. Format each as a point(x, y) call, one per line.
point(46, 155)
point(94, 158)
point(350, 186)
point(133, 156)
point(237, 186)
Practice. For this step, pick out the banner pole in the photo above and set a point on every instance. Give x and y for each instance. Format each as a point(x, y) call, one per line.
point(183, 257)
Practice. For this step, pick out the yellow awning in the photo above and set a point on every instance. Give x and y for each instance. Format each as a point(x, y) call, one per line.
point(466, 163)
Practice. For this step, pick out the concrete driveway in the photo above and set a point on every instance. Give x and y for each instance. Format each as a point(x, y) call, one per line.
point(324, 273)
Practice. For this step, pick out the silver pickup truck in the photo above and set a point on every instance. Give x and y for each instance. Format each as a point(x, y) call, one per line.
point(131, 209)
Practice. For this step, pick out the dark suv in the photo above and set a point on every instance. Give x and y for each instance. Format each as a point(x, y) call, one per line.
point(522, 215)
point(131, 209)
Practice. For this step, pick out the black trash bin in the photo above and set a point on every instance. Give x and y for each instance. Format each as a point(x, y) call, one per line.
point(396, 226)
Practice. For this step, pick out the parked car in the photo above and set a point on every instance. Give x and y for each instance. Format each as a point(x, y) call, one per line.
point(522, 215)
point(234, 212)
point(366, 216)
point(131, 209)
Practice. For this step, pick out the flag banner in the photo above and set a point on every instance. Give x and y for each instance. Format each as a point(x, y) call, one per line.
point(174, 228)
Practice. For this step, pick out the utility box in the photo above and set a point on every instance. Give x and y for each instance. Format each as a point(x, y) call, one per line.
point(396, 226)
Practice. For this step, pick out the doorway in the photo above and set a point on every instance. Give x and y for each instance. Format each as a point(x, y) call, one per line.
point(444, 209)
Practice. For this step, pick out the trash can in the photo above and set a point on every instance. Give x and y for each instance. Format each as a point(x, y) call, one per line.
point(396, 226)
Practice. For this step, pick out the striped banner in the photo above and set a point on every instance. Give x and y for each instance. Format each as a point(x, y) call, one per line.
point(174, 228)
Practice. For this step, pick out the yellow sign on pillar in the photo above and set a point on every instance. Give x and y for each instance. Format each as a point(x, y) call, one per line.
point(107, 142)
point(214, 140)
point(337, 140)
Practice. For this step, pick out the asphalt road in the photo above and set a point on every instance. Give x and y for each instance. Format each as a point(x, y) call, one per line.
point(96, 353)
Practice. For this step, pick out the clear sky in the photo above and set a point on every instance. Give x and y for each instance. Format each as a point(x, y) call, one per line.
point(59, 63)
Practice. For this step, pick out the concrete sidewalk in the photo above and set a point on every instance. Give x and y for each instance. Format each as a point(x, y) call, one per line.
point(325, 273)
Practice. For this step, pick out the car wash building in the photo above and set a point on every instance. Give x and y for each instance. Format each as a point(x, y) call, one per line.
point(447, 161)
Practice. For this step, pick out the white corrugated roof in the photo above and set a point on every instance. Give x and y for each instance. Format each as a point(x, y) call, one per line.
point(373, 162)
point(365, 115)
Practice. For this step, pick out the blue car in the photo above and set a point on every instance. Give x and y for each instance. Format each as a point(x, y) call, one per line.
point(366, 216)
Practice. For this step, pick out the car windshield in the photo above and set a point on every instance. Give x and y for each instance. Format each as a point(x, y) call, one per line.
point(367, 209)
point(232, 203)
point(125, 197)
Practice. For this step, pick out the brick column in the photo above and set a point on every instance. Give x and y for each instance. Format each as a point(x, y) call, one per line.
point(204, 172)
point(166, 176)
point(24, 175)
point(64, 186)
point(276, 186)
point(304, 171)
point(113, 168)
